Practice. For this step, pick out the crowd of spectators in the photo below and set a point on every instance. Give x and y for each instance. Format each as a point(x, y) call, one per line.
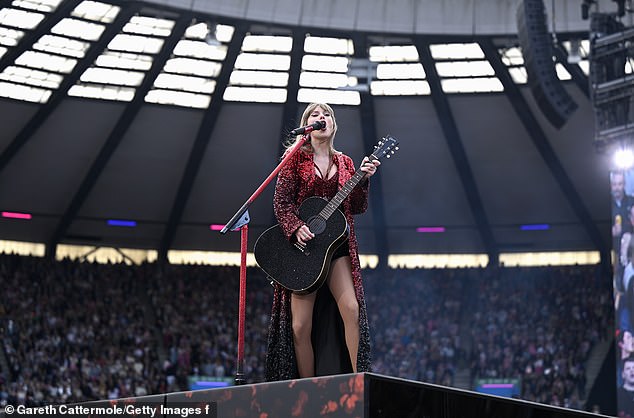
point(73, 331)
point(415, 323)
point(76, 331)
point(539, 324)
point(197, 309)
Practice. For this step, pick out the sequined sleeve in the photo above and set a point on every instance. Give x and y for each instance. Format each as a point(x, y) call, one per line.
point(359, 195)
point(284, 199)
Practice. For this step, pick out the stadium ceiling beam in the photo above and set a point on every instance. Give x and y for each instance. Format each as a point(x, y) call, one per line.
point(458, 153)
point(291, 107)
point(200, 143)
point(58, 95)
point(118, 132)
point(5, 3)
point(542, 144)
point(575, 71)
point(370, 138)
point(290, 111)
point(44, 27)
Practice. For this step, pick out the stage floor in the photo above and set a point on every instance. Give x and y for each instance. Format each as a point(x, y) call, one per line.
point(349, 395)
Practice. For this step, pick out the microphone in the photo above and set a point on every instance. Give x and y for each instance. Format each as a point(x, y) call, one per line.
point(320, 124)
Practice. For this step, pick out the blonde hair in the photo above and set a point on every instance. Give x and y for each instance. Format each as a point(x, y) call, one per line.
point(308, 147)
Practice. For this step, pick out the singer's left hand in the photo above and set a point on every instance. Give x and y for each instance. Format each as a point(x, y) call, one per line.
point(369, 167)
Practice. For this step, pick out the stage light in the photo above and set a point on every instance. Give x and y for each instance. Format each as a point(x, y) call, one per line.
point(574, 56)
point(16, 215)
point(211, 38)
point(121, 222)
point(216, 227)
point(624, 158)
point(430, 229)
point(535, 227)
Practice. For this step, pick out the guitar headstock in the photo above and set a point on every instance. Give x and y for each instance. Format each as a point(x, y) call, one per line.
point(386, 147)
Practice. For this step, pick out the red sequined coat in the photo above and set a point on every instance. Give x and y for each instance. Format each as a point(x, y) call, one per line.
point(295, 183)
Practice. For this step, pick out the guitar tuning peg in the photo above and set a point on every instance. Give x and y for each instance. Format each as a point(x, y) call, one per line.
point(388, 156)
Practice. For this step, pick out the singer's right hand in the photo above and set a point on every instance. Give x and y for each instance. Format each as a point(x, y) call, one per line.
point(303, 234)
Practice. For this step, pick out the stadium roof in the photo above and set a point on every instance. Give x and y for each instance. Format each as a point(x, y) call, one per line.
point(147, 124)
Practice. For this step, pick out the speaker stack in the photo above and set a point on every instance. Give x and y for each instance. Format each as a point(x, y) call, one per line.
point(537, 49)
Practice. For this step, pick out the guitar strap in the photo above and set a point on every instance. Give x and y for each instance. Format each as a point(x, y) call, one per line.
point(330, 164)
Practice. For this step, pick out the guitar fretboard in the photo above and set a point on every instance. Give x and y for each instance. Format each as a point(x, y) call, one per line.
point(345, 190)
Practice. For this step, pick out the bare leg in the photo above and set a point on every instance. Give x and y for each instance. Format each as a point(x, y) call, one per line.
point(342, 289)
point(302, 323)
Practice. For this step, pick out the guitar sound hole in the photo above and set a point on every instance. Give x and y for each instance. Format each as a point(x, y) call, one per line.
point(316, 225)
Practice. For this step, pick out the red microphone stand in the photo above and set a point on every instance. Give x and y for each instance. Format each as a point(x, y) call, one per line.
point(240, 221)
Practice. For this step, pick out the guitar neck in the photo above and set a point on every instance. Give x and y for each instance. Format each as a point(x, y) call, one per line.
point(341, 195)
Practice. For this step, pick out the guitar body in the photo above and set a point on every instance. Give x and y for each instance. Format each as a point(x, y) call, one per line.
point(302, 270)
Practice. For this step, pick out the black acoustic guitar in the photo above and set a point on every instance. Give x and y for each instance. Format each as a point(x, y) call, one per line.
point(303, 269)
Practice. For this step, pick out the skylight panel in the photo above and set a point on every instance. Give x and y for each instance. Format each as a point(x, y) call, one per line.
point(400, 71)
point(518, 74)
point(464, 69)
point(31, 77)
point(193, 67)
point(39, 5)
point(512, 56)
point(562, 73)
point(224, 33)
point(10, 37)
point(188, 78)
point(78, 29)
point(187, 83)
point(123, 66)
point(325, 80)
point(107, 75)
point(393, 53)
point(27, 93)
point(343, 97)
point(259, 78)
point(260, 72)
point(471, 85)
point(200, 31)
point(118, 93)
point(585, 66)
point(325, 63)
point(19, 18)
point(513, 59)
point(62, 46)
point(328, 72)
point(40, 60)
point(96, 11)
point(253, 43)
point(199, 49)
point(37, 72)
point(456, 51)
point(255, 94)
point(149, 26)
point(399, 87)
point(249, 61)
point(333, 46)
point(3, 51)
point(124, 60)
point(134, 43)
point(178, 98)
